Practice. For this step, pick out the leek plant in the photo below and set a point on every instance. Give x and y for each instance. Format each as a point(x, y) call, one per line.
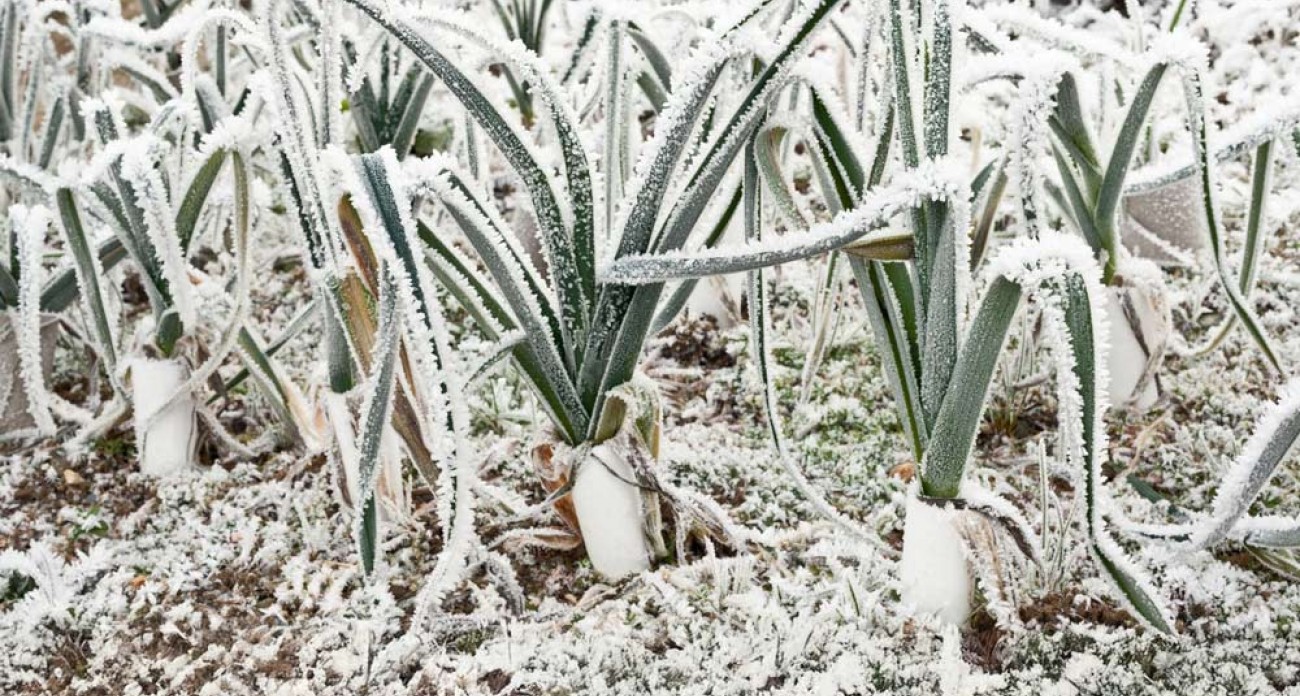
point(157, 156)
point(939, 357)
point(1100, 196)
point(409, 344)
point(1093, 192)
point(156, 209)
point(387, 392)
point(385, 114)
point(581, 338)
point(523, 21)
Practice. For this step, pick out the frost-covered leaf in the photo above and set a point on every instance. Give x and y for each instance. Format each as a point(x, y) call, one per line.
point(374, 417)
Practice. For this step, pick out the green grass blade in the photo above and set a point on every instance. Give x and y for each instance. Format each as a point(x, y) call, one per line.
point(658, 63)
point(339, 358)
point(1261, 175)
point(258, 364)
point(464, 282)
point(580, 48)
point(938, 82)
point(900, 60)
point(8, 66)
point(767, 152)
point(366, 114)
point(53, 127)
point(212, 106)
point(984, 225)
point(219, 60)
point(615, 126)
point(397, 108)
point(263, 355)
point(316, 252)
point(404, 135)
point(152, 13)
point(508, 346)
point(1071, 127)
point(841, 146)
point(1078, 208)
point(8, 288)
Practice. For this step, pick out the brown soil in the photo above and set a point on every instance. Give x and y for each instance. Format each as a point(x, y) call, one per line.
point(1059, 608)
point(99, 482)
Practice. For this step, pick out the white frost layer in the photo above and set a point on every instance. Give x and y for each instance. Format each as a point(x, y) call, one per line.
point(609, 513)
point(165, 439)
point(935, 575)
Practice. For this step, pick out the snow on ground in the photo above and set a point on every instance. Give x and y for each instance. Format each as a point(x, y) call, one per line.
point(244, 580)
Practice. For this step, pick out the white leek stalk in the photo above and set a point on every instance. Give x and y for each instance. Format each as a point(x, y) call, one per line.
point(166, 428)
point(1140, 328)
point(935, 573)
point(609, 510)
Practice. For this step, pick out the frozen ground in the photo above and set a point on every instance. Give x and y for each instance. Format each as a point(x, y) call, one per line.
point(244, 579)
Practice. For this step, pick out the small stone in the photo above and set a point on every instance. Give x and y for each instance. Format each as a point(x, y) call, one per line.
point(72, 478)
point(904, 471)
